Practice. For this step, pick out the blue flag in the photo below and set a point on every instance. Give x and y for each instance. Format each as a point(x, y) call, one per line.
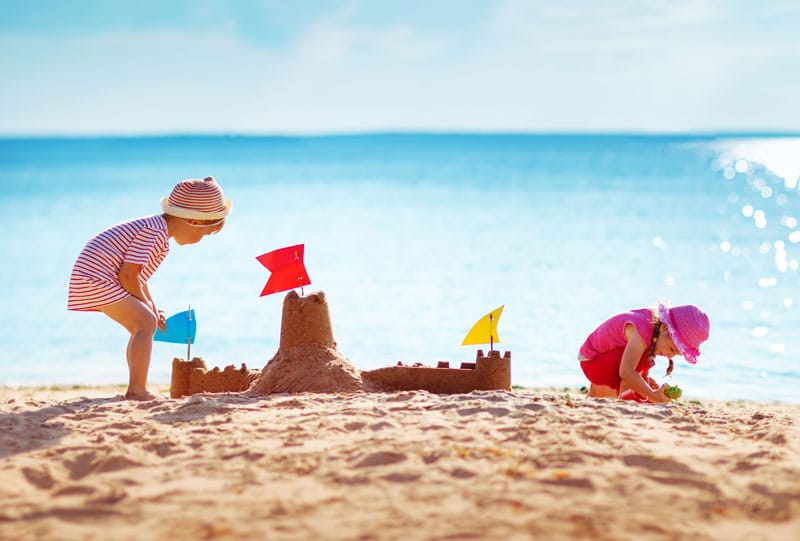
point(181, 329)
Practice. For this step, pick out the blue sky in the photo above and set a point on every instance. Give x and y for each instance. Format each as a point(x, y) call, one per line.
point(314, 66)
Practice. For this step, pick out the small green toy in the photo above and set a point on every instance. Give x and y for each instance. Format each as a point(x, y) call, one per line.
point(673, 391)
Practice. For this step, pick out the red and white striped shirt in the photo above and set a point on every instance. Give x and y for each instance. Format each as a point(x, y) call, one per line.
point(95, 277)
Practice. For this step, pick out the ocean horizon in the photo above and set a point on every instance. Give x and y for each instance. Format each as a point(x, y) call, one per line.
point(415, 236)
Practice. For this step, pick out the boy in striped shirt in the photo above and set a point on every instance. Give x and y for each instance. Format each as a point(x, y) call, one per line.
point(111, 272)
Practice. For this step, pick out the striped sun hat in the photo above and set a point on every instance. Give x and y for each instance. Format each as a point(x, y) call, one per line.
point(197, 199)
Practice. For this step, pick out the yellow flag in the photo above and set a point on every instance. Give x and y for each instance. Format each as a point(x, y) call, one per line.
point(485, 330)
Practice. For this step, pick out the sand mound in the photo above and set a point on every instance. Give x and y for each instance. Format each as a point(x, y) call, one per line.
point(313, 368)
point(307, 359)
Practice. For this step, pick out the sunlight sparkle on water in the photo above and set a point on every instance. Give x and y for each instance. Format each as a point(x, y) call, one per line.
point(760, 219)
point(781, 262)
point(780, 156)
point(659, 243)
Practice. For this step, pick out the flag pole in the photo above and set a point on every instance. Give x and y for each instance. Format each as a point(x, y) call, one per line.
point(491, 336)
point(299, 274)
point(188, 334)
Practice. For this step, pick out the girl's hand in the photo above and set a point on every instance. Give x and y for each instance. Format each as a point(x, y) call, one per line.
point(162, 321)
point(660, 396)
point(652, 383)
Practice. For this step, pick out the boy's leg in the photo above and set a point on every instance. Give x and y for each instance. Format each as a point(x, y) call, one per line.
point(140, 321)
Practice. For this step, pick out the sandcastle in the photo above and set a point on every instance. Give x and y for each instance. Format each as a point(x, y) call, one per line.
point(192, 377)
point(307, 361)
point(488, 372)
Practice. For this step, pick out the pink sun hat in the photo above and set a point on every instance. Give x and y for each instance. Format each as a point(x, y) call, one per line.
point(197, 199)
point(688, 326)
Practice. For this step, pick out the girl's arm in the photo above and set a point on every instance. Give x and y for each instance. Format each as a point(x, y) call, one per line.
point(627, 368)
point(129, 280)
point(161, 320)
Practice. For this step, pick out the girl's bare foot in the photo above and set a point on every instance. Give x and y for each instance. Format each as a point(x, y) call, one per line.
point(142, 396)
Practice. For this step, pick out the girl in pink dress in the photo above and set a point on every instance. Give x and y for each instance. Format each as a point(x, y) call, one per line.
point(618, 355)
point(111, 272)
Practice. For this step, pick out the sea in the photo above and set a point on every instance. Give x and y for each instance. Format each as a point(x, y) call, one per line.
point(414, 237)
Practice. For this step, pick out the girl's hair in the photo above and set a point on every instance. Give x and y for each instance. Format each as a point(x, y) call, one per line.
point(652, 352)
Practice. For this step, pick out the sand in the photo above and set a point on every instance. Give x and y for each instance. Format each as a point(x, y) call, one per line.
point(83, 464)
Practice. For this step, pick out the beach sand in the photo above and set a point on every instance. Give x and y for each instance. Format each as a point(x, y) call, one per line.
point(83, 464)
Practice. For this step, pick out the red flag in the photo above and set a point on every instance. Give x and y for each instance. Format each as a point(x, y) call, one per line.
point(288, 270)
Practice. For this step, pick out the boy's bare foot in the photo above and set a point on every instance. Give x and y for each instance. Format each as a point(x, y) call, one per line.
point(142, 396)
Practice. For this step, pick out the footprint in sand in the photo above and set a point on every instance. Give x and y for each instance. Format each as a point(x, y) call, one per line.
point(75, 490)
point(658, 464)
point(381, 425)
point(402, 477)
point(88, 462)
point(40, 477)
point(534, 406)
point(381, 459)
point(81, 466)
point(462, 473)
point(572, 482)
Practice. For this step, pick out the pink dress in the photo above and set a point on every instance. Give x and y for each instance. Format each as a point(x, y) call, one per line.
point(95, 277)
point(601, 353)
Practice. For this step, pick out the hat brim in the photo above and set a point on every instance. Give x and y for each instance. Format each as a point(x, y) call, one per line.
point(192, 214)
point(688, 353)
point(691, 357)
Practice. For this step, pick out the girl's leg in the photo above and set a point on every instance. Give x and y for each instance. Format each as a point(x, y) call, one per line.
point(603, 369)
point(601, 391)
point(140, 321)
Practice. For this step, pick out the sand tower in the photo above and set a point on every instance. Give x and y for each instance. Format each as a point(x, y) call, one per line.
point(307, 359)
